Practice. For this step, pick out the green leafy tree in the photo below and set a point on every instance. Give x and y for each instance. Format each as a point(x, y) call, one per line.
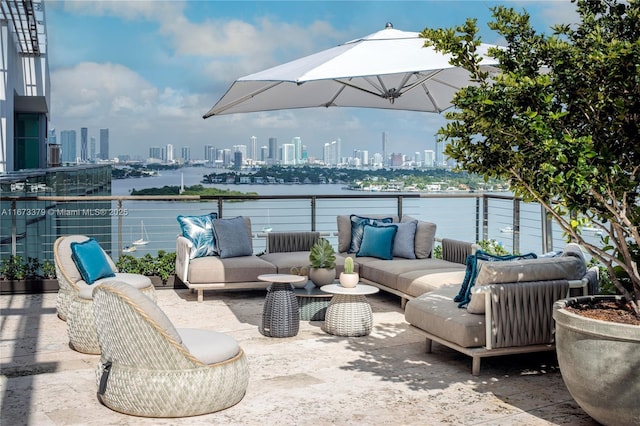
point(559, 121)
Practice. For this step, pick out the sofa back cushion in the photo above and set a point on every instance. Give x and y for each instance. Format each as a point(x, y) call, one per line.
point(344, 228)
point(541, 269)
point(233, 237)
point(424, 237)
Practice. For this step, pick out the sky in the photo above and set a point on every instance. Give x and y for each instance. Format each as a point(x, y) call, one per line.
point(149, 70)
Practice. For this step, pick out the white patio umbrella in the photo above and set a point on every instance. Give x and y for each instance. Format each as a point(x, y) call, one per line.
point(390, 69)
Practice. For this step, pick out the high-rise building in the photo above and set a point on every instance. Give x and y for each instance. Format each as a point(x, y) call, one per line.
point(92, 148)
point(185, 153)
point(104, 144)
point(440, 161)
point(264, 153)
point(155, 152)
point(24, 87)
point(169, 154)
point(288, 153)
point(242, 149)
point(385, 147)
point(396, 160)
point(68, 142)
point(84, 144)
point(273, 149)
point(297, 146)
point(237, 160)
point(210, 154)
point(227, 157)
point(253, 148)
point(331, 154)
point(429, 158)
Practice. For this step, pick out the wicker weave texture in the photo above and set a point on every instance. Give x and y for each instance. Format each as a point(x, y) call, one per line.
point(280, 312)
point(349, 316)
point(81, 328)
point(152, 375)
point(313, 308)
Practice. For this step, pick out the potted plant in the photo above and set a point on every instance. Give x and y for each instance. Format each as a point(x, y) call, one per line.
point(322, 263)
point(30, 276)
point(348, 278)
point(571, 145)
point(160, 269)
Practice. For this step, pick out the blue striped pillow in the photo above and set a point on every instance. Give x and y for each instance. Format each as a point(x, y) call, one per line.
point(357, 229)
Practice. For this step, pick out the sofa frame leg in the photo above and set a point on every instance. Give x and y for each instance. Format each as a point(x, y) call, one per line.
point(429, 343)
point(200, 295)
point(475, 365)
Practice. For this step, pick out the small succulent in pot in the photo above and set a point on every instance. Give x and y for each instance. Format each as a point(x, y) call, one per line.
point(348, 278)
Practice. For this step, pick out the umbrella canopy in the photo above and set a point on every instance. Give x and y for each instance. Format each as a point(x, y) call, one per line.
point(390, 69)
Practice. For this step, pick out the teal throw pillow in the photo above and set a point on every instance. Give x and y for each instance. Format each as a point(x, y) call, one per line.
point(377, 241)
point(404, 241)
point(91, 261)
point(231, 237)
point(199, 230)
point(357, 229)
point(473, 267)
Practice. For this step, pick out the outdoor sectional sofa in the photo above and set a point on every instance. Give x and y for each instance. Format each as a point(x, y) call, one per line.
point(510, 309)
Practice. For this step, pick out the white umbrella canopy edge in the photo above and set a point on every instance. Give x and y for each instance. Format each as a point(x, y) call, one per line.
point(390, 69)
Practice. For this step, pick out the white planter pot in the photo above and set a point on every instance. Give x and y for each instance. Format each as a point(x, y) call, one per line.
point(349, 280)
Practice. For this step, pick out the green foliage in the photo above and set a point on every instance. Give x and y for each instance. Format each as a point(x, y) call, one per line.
point(493, 247)
point(17, 268)
point(322, 255)
point(348, 265)
point(163, 265)
point(560, 120)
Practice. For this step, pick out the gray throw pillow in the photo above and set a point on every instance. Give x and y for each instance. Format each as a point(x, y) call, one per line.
point(403, 243)
point(231, 237)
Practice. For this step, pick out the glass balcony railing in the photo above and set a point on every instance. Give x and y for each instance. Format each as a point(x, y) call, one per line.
point(30, 224)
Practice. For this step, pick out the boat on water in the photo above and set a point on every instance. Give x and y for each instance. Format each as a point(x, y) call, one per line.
point(129, 249)
point(507, 230)
point(144, 238)
point(268, 227)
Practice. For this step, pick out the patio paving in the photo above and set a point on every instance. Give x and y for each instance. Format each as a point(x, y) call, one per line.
point(310, 379)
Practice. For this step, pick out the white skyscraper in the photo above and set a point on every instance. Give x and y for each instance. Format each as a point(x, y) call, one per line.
point(242, 149)
point(429, 158)
point(170, 157)
point(288, 153)
point(297, 143)
point(253, 148)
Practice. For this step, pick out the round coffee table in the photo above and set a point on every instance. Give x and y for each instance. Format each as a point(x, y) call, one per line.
point(280, 313)
point(313, 302)
point(349, 313)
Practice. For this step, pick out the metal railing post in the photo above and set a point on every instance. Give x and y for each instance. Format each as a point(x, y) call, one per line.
point(120, 244)
point(516, 225)
point(547, 231)
point(313, 213)
point(477, 219)
point(400, 206)
point(14, 230)
point(485, 217)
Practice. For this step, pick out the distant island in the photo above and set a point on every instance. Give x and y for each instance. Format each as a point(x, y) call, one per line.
point(188, 190)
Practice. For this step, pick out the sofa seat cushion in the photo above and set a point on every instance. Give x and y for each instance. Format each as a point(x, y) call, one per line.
point(213, 269)
point(285, 261)
point(437, 314)
point(418, 282)
point(209, 347)
point(138, 281)
point(386, 272)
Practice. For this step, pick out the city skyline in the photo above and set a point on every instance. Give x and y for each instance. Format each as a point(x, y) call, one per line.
point(181, 57)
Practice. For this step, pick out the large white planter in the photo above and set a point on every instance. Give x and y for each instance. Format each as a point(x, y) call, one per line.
point(600, 364)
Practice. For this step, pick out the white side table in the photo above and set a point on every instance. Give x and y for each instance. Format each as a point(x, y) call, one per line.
point(349, 313)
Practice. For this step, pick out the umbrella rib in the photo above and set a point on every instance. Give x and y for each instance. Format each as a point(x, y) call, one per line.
point(242, 99)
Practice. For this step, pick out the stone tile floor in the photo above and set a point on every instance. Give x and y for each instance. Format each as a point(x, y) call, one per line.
point(310, 379)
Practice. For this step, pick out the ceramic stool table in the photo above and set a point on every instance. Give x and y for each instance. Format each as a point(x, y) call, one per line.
point(280, 313)
point(349, 313)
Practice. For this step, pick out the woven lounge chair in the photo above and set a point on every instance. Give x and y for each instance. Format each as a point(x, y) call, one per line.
point(74, 302)
point(148, 368)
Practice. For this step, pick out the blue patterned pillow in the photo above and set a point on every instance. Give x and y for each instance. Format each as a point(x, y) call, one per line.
point(473, 267)
point(231, 237)
point(91, 261)
point(357, 229)
point(199, 230)
point(377, 241)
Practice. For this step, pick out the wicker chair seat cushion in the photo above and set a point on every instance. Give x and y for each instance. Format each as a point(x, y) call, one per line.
point(436, 313)
point(208, 346)
point(86, 292)
point(138, 281)
point(66, 259)
point(147, 306)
